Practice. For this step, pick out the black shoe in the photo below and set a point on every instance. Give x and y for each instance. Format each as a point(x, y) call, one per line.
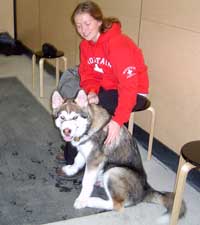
point(60, 157)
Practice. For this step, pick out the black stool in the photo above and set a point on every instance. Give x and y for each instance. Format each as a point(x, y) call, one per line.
point(40, 54)
point(145, 106)
point(189, 159)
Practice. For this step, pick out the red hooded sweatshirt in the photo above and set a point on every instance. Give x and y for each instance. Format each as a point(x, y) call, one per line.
point(114, 62)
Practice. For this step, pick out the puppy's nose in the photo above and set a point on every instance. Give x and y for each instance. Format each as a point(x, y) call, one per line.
point(67, 131)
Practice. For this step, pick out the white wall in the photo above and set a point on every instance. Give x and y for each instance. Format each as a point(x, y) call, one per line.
point(7, 17)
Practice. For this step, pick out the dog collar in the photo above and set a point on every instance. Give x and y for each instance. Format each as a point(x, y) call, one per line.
point(76, 139)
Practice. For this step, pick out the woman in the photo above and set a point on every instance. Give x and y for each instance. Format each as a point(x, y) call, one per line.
point(112, 69)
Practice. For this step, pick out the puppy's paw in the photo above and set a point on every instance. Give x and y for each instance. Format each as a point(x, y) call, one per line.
point(70, 170)
point(80, 203)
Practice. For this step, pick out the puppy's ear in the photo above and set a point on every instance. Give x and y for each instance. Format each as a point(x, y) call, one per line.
point(56, 100)
point(81, 99)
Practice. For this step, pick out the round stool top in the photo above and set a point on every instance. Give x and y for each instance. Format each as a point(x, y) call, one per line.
point(41, 55)
point(144, 103)
point(191, 152)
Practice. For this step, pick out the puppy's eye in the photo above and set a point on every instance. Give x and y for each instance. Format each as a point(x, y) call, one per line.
point(75, 118)
point(62, 117)
point(84, 115)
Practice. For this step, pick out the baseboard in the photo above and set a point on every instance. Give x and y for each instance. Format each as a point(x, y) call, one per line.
point(166, 156)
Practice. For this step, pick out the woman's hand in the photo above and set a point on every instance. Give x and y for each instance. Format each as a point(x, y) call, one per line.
point(113, 132)
point(93, 98)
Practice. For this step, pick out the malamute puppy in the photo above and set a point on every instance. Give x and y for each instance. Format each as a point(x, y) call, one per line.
point(119, 164)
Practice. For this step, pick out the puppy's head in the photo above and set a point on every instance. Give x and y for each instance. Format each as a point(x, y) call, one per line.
point(71, 115)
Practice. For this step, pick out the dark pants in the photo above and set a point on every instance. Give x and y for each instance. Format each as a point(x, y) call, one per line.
point(108, 100)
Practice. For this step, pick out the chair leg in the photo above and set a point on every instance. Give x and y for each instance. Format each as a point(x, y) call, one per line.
point(33, 70)
point(65, 62)
point(151, 134)
point(184, 170)
point(41, 66)
point(180, 164)
point(131, 123)
point(57, 71)
point(57, 68)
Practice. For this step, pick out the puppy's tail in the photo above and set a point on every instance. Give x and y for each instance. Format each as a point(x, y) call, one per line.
point(166, 199)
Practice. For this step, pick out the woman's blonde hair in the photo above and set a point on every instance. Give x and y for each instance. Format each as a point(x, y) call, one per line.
point(94, 10)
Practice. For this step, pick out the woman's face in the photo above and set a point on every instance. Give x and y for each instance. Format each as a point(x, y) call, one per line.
point(87, 26)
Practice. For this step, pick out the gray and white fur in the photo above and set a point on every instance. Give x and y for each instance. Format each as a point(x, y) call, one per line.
point(119, 164)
